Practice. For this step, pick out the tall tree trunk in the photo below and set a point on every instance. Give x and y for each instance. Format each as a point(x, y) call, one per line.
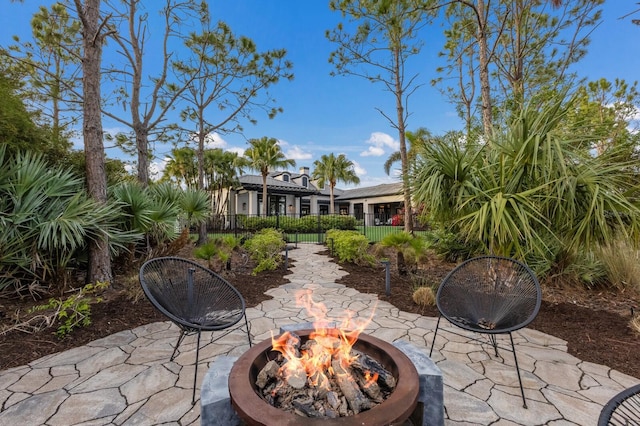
point(483, 53)
point(202, 230)
point(265, 206)
point(140, 129)
point(142, 145)
point(404, 160)
point(332, 207)
point(99, 257)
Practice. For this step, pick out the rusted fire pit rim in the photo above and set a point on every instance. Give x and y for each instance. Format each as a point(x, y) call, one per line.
point(252, 409)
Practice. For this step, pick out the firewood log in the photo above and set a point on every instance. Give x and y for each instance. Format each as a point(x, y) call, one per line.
point(356, 399)
point(364, 363)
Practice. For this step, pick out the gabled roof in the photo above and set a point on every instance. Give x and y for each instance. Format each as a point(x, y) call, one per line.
point(326, 191)
point(372, 191)
point(254, 183)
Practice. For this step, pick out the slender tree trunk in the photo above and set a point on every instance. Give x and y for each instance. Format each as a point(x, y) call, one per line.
point(265, 207)
point(202, 231)
point(99, 258)
point(332, 207)
point(518, 72)
point(140, 129)
point(55, 100)
point(142, 145)
point(404, 160)
point(483, 53)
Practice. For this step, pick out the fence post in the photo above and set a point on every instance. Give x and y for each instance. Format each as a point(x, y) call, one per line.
point(387, 276)
point(330, 244)
point(286, 257)
point(364, 224)
point(319, 230)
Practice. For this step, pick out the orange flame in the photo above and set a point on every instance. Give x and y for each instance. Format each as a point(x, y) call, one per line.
point(332, 342)
point(370, 379)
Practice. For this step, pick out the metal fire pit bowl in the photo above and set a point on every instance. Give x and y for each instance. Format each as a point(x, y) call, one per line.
point(394, 410)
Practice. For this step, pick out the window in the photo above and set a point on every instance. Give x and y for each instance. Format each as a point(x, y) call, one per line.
point(305, 181)
point(285, 178)
point(277, 205)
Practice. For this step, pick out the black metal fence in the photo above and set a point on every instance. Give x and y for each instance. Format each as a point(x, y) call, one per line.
point(305, 229)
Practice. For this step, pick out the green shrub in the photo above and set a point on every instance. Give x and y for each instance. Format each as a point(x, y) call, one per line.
point(409, 250)
point(303, 225)
point(75, 310)
point(452, 247)
point(584, 268)
point(265, 248)
point(256, 223)
point(349, 246)
point(220, 249)
point(46, 220)
point(342, 222)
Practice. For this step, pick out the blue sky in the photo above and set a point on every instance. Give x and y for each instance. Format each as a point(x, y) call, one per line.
point(324, 114)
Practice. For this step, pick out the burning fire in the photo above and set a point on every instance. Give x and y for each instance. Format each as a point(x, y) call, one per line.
point(313, 364)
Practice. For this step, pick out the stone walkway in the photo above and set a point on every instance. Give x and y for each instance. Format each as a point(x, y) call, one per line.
point(127, 379)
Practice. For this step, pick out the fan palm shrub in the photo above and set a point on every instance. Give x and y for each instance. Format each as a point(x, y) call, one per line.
point(533, 192)
point(409, 250)
point(158, 210)
point(46, 219)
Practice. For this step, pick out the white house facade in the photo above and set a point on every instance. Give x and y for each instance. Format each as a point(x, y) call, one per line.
point(295, 194)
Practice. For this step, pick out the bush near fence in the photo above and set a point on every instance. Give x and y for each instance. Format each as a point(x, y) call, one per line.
point(290, 225)
point(349, 246)
point(308, 229)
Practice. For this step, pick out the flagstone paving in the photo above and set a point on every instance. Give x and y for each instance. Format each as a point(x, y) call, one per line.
point(127, 378)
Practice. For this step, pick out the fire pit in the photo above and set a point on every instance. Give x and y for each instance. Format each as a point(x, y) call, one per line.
point(394, 410)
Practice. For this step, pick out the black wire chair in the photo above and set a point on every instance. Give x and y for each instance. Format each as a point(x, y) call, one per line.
point(490, 295)
point(623, 409)
point(195, 298)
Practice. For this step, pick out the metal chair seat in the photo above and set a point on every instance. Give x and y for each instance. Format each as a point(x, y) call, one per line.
point(623, 409)
point(490, 295)
point(195, 298)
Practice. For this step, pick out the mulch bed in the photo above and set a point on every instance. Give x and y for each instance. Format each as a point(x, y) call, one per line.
point(595, 324)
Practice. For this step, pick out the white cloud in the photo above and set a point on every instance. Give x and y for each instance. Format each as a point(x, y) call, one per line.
point(296, 153)
point(238, 150)
point(156, 168)
point(380, 142)
point(214, 140)
point(360, 171)
point(373, 151)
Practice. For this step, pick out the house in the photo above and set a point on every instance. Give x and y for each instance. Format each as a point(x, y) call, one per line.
point(378, 204)
point(296, 194)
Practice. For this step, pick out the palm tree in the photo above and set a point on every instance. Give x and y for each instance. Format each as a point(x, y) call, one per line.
point(263, 156)
point(182, 166)
point(331, 169)
point(416, 140)
point(221, 171)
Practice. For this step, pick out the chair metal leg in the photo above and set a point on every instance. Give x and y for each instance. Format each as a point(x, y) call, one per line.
point(494, 343)
point(515, 358)
point(435, 334)
point(195, 374)
point(246, 323)
point(183, 333)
